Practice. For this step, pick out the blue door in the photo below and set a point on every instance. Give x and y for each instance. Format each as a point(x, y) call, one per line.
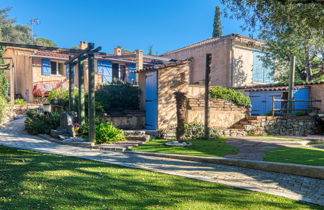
point(258, 103)
point(262, 101)
point(151, 100)
point(302, 94)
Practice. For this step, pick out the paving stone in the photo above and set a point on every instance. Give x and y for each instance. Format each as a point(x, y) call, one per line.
point(290, 186)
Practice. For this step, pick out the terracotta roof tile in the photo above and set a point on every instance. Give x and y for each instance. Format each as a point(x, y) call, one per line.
point(165, 65)
point(277, 87)
point(57, 54)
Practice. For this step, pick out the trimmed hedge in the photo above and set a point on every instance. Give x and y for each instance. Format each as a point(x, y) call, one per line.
point(38, 122)
point(119, 96)
point(231, 95)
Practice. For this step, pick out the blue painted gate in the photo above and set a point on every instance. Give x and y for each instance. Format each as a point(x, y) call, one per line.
point(132, 74)
point(262, 100)
point(151, 100)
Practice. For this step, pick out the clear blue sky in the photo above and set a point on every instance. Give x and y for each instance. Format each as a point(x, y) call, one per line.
point(133, 24)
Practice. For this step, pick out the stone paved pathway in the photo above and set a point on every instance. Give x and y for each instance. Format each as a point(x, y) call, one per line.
point(290, 186)
point(253, 148)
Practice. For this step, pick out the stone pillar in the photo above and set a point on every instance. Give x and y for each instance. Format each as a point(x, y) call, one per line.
point(181, 100)
point(139, 62)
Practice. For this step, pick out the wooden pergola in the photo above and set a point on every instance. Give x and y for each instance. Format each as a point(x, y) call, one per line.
point(9, 67)
point(89, 54)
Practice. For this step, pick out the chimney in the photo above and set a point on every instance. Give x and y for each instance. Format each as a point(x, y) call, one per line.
point(83, 45)
point(139, 60)
point(118, 51)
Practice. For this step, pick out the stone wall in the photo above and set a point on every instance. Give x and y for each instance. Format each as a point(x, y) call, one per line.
point(129, 121)
point(171, 80)
point(223, 114)
point(280, 126)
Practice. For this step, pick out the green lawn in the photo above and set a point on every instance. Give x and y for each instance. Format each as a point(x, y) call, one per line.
point(30, 180)
point(305, 156)
point(218, 148)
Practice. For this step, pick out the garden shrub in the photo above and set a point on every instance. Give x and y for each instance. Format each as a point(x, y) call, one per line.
point(20, 101)
point(39, 122)
point(3, 107)
point(231, 95)
point(118, 96)
point(108, 133)
point(60, 97)
point(195, 131)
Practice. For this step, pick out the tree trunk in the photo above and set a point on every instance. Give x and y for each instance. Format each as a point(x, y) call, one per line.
point(308, 69)
point(181, 100)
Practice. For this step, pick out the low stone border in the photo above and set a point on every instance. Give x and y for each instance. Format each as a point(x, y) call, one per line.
point(286, 168)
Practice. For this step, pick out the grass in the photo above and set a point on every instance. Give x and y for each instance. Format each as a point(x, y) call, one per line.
point(31, 180)
point(212, 148)
point(303, 155)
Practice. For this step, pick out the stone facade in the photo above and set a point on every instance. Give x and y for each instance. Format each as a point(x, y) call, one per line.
point(232, 61)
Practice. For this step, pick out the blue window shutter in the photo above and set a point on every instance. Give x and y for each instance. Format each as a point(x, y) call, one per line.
point(46, 67)
point(261, 73)
point(100, 66)
point(67, 70)
point(132, 75)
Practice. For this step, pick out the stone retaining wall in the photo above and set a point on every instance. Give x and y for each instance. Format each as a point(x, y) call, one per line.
point(223, 114)
point(129, 121)
point(279, 125)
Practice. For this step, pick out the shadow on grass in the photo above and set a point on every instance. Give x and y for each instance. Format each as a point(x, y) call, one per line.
point(30, 180)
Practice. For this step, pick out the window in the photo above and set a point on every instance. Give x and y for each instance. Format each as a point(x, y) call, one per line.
point(261, 73)
point(56, 68)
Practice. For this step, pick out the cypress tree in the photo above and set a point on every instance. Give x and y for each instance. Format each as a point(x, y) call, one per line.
point(218, 28)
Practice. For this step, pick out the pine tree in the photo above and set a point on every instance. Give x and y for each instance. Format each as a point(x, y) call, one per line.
point(150, 50)
point(218, 28)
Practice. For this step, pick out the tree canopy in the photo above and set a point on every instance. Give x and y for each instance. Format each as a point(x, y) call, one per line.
point(290, 27)
point(17, 33)
point(218, 28)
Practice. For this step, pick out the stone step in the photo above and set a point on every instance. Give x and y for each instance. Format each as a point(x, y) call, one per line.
point(139, 138)
point(134, 132)
point(244, 122)
point(238, 126)
point(251, 117)
point(253, 121)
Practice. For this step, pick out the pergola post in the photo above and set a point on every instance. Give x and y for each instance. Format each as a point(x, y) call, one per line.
point(81, 93)
point(71, 86)
point(91, 95)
